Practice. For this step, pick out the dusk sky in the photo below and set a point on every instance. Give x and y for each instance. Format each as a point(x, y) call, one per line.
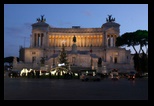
point(18, 19)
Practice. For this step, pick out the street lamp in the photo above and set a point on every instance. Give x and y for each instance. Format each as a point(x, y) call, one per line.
point(91, 60)
point(54, 57)
point(91, 54)
point(105, 54)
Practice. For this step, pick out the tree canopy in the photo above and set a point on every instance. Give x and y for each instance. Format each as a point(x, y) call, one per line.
point(63, 57)
point(10, 59)
point(137, 38)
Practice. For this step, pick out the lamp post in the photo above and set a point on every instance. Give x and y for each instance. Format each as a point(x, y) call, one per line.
point(54, 57)
point(91, 54)
point(91, 61)
point(105, 54)
point(53, 61)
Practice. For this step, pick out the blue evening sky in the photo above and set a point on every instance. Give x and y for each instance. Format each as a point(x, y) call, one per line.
point(19, 17)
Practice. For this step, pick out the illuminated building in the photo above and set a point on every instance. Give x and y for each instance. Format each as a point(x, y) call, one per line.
point(91, 44)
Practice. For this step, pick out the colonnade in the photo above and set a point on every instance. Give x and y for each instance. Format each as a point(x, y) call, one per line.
point(81, 41)
point(38, 39)
point(111, 39)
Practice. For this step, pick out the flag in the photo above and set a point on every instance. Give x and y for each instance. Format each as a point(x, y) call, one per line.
point(91, 48)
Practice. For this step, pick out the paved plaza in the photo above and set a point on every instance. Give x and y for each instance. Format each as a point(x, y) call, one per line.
point(74, 89)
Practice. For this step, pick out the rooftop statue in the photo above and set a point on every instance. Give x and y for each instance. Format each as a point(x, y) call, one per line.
point(110, 19)
point(42, 19)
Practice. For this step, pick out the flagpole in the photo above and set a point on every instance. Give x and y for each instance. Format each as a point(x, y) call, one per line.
point(54, 53)
point(54, 57)
point(105, 55)
point(91, 54)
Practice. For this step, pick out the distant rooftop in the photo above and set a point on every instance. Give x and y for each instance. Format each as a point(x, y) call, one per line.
point(75, 26)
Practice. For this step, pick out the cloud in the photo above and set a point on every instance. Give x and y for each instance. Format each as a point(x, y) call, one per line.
point(19, 32)
point(12, 45)
point(12, 30)
point(52, 26)
point(87, 13)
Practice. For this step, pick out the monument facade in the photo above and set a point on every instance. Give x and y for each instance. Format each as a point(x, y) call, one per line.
point(84, 46)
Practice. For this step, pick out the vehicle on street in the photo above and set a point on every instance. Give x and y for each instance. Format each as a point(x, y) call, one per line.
point(14, 74)
point(90, 77)
point(144, 75)
point(131, 75)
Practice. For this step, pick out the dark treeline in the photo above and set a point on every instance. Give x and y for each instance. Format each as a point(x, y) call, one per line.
point(10, 59)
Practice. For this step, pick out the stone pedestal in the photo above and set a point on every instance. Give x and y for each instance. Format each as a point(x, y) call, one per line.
point(104, 71)
point(92, 67)
point(74, 48)
point(15, 64)
point(99, 69)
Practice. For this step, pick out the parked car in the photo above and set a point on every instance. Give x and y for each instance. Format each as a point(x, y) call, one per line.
point(90, 77)
point(145, 75)
point(131, 75)
point(14, 74)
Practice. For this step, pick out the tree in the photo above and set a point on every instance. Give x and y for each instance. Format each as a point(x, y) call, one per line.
point(10, 60)
point(141, 38)
point(99, 62)
point(63, 58)
point(144, 63)
point(127, 39)
point(137, 38)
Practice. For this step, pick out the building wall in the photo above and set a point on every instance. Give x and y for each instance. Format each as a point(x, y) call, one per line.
point(33, 52)
point(46, 40)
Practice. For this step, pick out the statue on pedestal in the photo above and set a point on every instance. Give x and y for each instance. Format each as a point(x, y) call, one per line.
point(15, 60)
point(74, 46)
point(74, 39)
point(100, 62)
point(14, 63)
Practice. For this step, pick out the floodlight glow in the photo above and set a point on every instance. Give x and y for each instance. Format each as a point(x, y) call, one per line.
point(53, 72)
point(63, 64)
point(76, 74)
